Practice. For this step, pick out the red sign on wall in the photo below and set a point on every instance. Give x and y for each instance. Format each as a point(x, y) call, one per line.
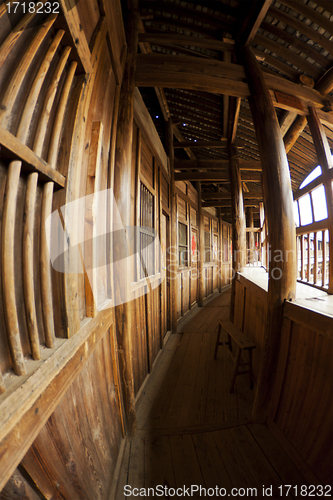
point(194, 245)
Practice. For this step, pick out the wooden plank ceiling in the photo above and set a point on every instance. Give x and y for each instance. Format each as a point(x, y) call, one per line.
point(292, 39)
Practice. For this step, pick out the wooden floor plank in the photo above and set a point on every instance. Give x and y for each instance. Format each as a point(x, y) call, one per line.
point(136, 469)
point(185, 463)
point(279, 459)
point(163, 400)
point(158, 377)
point(177, 413)
point(212, 467)
point(256, 461)
point(158, 462)
point(237, 471)
point(123, 473)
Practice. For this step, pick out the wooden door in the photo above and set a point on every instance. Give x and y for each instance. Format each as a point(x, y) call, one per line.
point(165, 288)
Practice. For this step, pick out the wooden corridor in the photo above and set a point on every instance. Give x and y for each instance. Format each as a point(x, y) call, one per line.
point(192, 431)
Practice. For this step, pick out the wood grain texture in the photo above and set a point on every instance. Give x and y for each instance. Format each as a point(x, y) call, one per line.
point(8, 281)
point(45, 269)
point(28, 271)
point(14, 87)
point(277, 192)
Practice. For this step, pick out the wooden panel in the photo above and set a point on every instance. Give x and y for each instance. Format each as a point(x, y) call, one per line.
point(206, 223)
point(193, 216)
point(140, 345)
point(165, 191)
point(239, 304)
point(215, 226)
point(192, 193)
point(75, 453)
point(147, 162)
point(305, 411)
point(185, 291)
point(181, 185)
point(181, 207)
point(179, 304)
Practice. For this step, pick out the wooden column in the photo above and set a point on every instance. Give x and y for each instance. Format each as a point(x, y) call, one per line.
point(201, 248)
point(238, 221)
point(251, 234)
point(325, 160)
point(220, 259)
point(173, 251)
point(262, 235)
point(122, 194)
point(278, 203)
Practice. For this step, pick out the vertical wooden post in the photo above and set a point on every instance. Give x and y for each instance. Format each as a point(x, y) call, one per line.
point(324, 159)
point(122, 193)
point(262, 235)
point(251, 234)
point(173, 250)
point(238, 221)
point(201, 248)
point(220, 258)
point(280, 221)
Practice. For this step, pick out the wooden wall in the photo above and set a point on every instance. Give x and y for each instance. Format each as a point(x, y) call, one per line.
point(219, 263)
point(302, 406)
point(61, 405)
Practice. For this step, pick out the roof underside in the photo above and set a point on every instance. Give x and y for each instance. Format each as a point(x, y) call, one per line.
point(292, 39)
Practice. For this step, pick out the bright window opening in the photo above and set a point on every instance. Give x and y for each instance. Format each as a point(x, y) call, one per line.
point(319, 203)
point(314, 174)
point(305, 210)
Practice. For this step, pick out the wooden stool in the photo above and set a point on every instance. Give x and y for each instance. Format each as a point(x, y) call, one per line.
point(243, 343)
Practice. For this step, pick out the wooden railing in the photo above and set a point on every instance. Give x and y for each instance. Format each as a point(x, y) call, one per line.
point(313, 242)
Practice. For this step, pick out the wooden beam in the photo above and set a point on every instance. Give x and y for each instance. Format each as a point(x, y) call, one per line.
point(279, 215)
point(310, 13)
point(249, 165)
point(203, 176)
point(195, 41)
point(12, 149)
point(324, 86)
point(72, 18)
point(227, 196)
point(238, 222)
point(234, 109)
point(325, 160)
point(298, 25)
point(221, 204)
point(200, 144)
point(258, 10)
point(286, 120)
point(325, 83)
point(216, 176)
point(157, 70)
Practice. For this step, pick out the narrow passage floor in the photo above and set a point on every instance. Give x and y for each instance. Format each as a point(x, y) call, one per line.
point(193, 432)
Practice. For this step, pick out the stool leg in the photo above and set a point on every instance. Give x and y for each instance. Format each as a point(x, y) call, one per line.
point(235, 371)
point(217, 341)
point(250, 368)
